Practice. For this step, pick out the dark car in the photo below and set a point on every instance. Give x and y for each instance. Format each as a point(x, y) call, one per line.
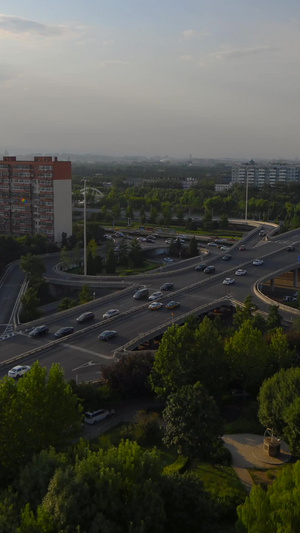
point(209, 270)
point(85, 317)
point(167, 286)
point(200, 267)
point(291, 248)
point(226, 257)
point(62, 332)
point(107, 334)
point(39, 330)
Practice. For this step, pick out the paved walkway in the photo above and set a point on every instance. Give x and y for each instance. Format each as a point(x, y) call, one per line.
point(247, 452)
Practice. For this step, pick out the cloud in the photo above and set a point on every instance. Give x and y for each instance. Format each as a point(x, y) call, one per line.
point(108, 42)
point(188, 35)
point(108, 62)
point(233, 53)
point(187, 58)
point(18, 27)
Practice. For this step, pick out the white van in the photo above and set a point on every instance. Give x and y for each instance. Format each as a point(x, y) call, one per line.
point(92, 417)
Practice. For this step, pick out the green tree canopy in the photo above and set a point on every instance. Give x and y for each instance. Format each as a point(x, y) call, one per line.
point(193, 422)
point(33, 266)
point(276, 510)
point(279, 406)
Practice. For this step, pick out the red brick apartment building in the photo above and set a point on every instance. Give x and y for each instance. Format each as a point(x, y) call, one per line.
point(36, 197)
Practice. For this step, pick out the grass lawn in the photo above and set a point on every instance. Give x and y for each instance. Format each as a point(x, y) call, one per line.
point(264, 478)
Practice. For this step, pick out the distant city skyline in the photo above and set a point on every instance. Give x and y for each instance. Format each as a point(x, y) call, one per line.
point(218, 80)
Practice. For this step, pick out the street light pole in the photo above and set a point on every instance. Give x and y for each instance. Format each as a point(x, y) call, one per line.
point(84, 228)
point(246, 206)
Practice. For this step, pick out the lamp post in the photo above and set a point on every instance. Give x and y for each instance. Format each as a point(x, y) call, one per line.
point(84, 228)
point(246, 206)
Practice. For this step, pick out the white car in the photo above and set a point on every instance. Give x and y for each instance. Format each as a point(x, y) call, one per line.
point(18, 371)
point(258, 262)
point(110, 313)
point(168, 259)
point(212, 244)
point(155, 306)
point(156, 295)
point(228, 281)
point(241, 272)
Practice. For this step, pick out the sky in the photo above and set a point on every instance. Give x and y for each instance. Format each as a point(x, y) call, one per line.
point(169, 78)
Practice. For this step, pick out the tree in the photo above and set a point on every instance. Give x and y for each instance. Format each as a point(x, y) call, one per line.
point(36, 412)
point(279, 406)
point(129, 376)
point(30, 302)
point(247, 356)
point(281, 355)
point(276, 510)
point(244, 313)
point(66, 303)
point(135, 255)
point(274, 318)
point(192, 250)
point(111, 262)
point(85, 294)
point(193, 422)
point(188, 354)
point(33, 266)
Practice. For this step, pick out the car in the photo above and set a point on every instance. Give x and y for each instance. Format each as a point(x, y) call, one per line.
point(212, 244)
point(258, 262)
point(209, 269)
point(92, 417)
point(85, 317)
point(107, 334)
point(168, 241)
point(154, 306)
point(241, 272)
point(242, 248)
point(110, 313)
point(291, 248)
point(200, 245)
point(168, 259)
point(226, 257)
point(141, 293)
point(290, 298)
point(224, 248)
point(156, 295)
point(261, 233)
point(228, 281)
point(167, 287)
point(62, 332)
point(18, 371)
point(39, 330)
point(172, 305)
point(200, 267)
point(152, 241)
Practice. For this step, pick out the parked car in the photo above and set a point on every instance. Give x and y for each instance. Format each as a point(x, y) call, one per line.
point(228, 281)
point(154, 306)
point(85, 317)
point(156, 295)
point(110, 313)
point(107, 334)
point(209, 270)
point(39, 330)
point(168, 259)
point(212, 244)
point(240, 272)
point(200, 267)
point(141, 293)
point(92, 417)
point(18, 371)
point(63, 332)
point(167, 286)
point(172, 305)
point(258, 262)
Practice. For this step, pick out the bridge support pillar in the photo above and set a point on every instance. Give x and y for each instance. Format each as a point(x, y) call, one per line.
point(295, 277)
point(272, 284)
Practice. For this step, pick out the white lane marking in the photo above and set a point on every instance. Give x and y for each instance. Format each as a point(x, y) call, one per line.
point(88, 351)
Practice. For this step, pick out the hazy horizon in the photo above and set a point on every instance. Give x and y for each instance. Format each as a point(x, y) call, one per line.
point(211, 79)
